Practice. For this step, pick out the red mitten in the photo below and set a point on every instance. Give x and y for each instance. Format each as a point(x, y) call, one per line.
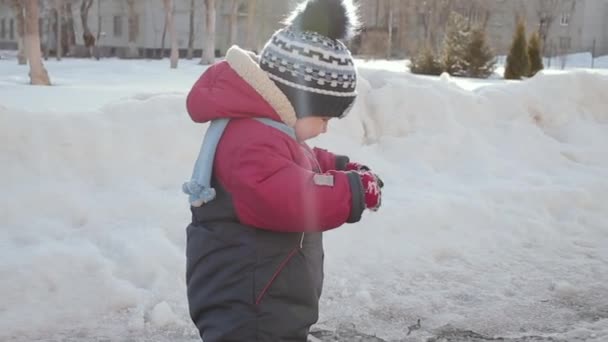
point(371, 189)
point(352, 166)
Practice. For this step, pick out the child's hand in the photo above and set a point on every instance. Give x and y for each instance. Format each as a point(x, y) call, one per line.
point(352, 166)
point(371, 190)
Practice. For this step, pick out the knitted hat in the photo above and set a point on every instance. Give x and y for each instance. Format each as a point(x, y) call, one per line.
point(309, 63)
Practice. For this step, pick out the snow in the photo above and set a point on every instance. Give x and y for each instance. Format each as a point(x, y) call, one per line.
point(494, 217)
point(577, 60)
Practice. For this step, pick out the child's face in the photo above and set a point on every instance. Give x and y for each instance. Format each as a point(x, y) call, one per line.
point(310, 127)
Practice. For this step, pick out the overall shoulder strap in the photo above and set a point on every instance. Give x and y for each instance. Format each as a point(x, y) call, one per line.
point(279, 125)
point(199, 187)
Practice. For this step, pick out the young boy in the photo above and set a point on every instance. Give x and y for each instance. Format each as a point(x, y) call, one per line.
point(254, 250)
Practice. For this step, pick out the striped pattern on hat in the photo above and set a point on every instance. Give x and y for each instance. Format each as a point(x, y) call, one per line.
point(316, 73)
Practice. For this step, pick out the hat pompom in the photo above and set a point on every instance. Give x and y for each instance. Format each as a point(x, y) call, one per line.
point(335, 19)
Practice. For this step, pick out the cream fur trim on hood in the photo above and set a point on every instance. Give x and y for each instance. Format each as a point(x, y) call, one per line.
point(245, 64)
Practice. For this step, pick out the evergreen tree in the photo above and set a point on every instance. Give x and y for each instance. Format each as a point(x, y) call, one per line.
point(455, 45)
point(518, 60)
point(426, 63)
point(534, 51)
point(480, 58)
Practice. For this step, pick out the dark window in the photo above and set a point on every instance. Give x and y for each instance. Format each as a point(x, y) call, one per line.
point(421, 18)
point(565, 20)
point(133, 23)
point(117, 26)
point(2, 28)
point(243, 9)
point(564, 43)
point(11, 30)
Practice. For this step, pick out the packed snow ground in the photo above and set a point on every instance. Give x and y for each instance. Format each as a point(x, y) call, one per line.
point(494, 217)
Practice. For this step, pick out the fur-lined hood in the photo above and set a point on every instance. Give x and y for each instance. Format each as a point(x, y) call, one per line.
point(238, 88)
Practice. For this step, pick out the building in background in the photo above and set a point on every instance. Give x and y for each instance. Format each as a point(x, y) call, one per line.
point(391, 28)
point(109, 21)
point(566, 26)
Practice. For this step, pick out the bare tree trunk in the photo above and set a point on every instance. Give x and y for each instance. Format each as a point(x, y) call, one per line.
point(389, 45)
point(191, 32)
point(251, 29)
point(234, 16)
point(98, 20)
point(85, 6)
point(547, 11)
point(38, 74)
point(45, 34)
point(565, 50)
point(42, 29)
point(97, 49)
point(71, 33)
point(18, 10)
point(132, 51)
point(87, 36)
point(171, 26)
point(161, 54)
point(59, 9)
point(209, 43)
point(405, 11)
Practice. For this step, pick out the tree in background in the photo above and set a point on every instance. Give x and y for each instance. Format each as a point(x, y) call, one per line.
point(133, 51)
point(432, 17)
point(20, 18)
point(98, 36)
point(481, 61)
point(38, 74)
point(392, 9)
point(251, 28)
point(455, 44)
point(426, 63)
point(518, 60)
point(234, 20)
point(59, 6)
point(209, 42)
point(546, 11)
point(68, 36)
point(534, 52)
point(190, 53)
point(87, 36)
point(170, 25)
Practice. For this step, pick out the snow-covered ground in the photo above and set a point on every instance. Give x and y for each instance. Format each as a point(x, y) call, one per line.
point(494, 217)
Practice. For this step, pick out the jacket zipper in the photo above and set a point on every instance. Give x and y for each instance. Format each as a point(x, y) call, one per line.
point(283, 264)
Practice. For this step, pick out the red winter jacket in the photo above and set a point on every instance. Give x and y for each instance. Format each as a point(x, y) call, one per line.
point(254, 265)
point(269, 175)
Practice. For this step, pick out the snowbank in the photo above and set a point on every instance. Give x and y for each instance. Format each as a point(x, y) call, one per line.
point(82, 85)
point(8, 54)
point(494, 198)
point(494, 214)
point(92, 216)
